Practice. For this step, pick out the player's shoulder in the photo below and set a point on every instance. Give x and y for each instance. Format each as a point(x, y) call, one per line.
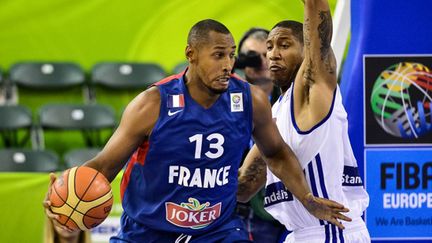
point(237, 77)
point(150, 97)
point(258, 93)
point(169, 79)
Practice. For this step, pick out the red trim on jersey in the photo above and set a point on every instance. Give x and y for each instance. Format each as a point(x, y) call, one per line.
point(181, 100)
point(235, 75)
point(167, 79)
point(138, 157)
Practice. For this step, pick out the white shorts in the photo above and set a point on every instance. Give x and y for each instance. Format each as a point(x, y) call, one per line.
point(354, 231)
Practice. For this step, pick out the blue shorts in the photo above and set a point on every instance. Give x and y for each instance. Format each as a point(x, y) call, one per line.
point(231, 231)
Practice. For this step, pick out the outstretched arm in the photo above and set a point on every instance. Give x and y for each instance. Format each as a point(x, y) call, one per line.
point(284, 164)
point(317, 34)
point(316, 79)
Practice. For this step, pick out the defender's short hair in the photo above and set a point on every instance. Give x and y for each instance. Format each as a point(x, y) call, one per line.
point(199, 32)
point(296, 27)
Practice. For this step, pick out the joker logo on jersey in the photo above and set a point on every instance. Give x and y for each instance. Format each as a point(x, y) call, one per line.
point(192, 215)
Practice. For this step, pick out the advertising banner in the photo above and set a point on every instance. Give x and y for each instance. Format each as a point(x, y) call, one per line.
point(399, 182)
point(397, 139)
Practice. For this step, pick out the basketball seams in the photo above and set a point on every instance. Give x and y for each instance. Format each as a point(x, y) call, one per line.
point(94, 199)
point(80, 215)
point(58, 194)
point(65, 174)
point(101, 200)
point(63, 200)
point(72, 181)
point(72, 195)
point(85, 205)
point(88, 186)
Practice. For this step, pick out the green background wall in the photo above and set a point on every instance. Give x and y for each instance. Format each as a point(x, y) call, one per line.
point(22, 213)
point(96, 30)
point(90, 31)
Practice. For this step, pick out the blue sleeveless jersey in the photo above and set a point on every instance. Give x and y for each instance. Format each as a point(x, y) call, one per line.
point(184, 178)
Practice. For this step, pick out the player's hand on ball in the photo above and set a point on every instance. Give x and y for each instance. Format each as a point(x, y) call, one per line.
point(47, 205)
point(325, 209)
point(81, 198)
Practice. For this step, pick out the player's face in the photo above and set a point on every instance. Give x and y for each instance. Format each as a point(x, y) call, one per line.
point(258, 46)
point(285, 55)
point(215, 60)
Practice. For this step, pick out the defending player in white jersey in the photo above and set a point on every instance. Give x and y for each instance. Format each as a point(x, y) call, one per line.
point(313, 122)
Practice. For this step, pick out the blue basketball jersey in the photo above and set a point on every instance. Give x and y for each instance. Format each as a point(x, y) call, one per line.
point(183, 179)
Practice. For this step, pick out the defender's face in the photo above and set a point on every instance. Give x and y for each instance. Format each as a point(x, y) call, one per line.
point(285, 55)
point(215, 61)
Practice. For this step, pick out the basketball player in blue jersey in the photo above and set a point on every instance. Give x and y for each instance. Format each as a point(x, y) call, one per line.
point(313, 122)
point(183, 140)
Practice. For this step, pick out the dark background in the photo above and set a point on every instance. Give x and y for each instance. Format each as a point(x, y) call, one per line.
point(375, 134)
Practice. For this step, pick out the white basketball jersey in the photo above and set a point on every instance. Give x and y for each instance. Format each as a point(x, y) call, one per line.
point(328, 163)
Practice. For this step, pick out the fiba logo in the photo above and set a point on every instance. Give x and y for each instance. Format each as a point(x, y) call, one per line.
point(401, 100)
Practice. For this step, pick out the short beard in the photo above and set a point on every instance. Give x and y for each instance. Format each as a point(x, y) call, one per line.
point(285, 81)
point(217, 91)
point(281, 82)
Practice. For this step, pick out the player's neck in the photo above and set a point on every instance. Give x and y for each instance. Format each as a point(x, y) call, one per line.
point(198, 91)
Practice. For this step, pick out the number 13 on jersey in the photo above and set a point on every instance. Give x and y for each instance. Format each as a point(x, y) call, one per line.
point(215, 147)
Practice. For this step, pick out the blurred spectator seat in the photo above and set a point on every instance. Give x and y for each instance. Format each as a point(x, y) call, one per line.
point(180, 67)
point(94, 122)
point(40, 83)
point(77, 157)
point(26, 160)
point(3, 94)
point(117, 75)
point(117, 83)
point(62, 125)
point(15, 125)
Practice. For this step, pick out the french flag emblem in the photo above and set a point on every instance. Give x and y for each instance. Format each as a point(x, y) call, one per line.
point(175, 101)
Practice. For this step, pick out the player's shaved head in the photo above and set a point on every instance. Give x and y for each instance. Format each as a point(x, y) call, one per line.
point(199, 33)
point(294, 26)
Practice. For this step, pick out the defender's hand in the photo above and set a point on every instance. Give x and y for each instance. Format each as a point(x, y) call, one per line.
point(325, 209)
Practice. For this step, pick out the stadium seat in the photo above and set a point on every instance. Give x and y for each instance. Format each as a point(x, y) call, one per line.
point(90, 120)
point(117, 83)
point(2, 89)
point(46, 75)
point(77, 157)
point(126, 75)
point(26, 160)
point(15, 125)
point(179, 67)
point(40, 83)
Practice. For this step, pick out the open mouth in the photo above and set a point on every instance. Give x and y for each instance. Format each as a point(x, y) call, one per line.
point(223, 79)
point(275, 68)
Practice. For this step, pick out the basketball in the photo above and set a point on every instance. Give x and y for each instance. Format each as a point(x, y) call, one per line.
point(82, 197)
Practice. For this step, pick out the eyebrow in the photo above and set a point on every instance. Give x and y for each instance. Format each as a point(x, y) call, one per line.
point(222, 47)
point(284, 38)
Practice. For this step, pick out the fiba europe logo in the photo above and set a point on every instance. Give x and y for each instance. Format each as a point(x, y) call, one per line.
point(401, 100)
point(236, 99)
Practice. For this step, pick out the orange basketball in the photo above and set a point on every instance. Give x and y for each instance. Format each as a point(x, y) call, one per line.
point(82, 197)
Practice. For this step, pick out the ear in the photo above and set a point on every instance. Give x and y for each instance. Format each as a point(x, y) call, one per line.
point(190, 53)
